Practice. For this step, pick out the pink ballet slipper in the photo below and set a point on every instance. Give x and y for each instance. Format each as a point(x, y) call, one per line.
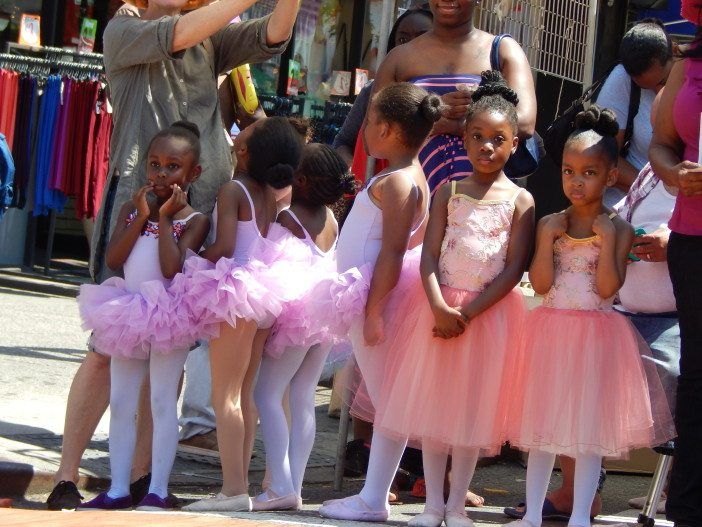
point(352, 508)
point(458, 519)
point(268, 501)
point(428, 518)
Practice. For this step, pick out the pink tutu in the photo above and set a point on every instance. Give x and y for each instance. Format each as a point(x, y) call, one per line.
point(209, 294)
point(451, 393)
point(294, 326)
point(583, 387)
point(350, 293)
point(132, 325)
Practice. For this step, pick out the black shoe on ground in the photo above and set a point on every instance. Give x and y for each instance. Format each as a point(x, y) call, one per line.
point(140, 488)
point(64, 496)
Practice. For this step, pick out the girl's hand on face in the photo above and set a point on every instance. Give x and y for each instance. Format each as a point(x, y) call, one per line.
point(373, 330)
point(450, 322)
point(555, 226)
point(177, 202)
point(142, 204)
point(689, 176)
point(604, 227)
point(652, 247)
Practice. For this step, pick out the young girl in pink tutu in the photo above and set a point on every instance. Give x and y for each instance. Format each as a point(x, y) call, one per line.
point(294, 355)
point(230, 305)
point(382, 232)
point(443, 383)
point(130, 317)
point(582, 390)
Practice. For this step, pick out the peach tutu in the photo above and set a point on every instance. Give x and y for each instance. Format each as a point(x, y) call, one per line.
point(451, 393)
point(583, 388)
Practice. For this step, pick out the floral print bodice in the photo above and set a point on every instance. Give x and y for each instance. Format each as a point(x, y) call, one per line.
point(151, 227)
point(474, 249)
point(575, 269)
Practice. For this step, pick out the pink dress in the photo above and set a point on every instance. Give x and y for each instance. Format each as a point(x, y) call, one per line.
point(583, 387)
point(134, 316)
point(452, 393)
point(341, 306)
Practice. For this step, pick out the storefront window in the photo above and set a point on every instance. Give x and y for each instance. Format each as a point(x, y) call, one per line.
point(10, 16)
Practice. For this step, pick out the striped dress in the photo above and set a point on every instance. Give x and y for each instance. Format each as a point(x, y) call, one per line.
point(444, 157)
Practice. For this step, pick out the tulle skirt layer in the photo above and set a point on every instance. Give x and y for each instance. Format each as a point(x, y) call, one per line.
point(451, 392)
point(133, 324)
point(583, 388)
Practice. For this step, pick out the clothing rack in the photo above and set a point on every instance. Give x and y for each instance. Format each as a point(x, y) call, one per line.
point(61, 65)
point(51, 62)
point(13, 47)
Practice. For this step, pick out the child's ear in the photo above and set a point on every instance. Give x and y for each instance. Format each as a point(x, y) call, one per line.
point(515, 144)
point(195, 174)
point(612, 176)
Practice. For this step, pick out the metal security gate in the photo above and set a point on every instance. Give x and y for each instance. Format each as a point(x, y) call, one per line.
point(558, 36)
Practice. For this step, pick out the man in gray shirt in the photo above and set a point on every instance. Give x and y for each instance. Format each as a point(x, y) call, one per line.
point(162, 66)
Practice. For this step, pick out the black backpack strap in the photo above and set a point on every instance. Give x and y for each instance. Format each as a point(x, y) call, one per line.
point(495, 51)
point(634, 101)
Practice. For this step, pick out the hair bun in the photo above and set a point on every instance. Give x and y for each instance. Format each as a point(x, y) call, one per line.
point(431, 107)
point(279, 175)
point(189, 126)
point(302, 125)
point(493, 83)
point(601, 120)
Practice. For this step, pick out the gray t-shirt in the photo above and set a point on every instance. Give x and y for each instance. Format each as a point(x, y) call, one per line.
point(615, 94)
point(151, 88)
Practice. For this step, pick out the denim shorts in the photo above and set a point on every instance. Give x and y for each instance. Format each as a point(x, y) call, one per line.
point(662, 333)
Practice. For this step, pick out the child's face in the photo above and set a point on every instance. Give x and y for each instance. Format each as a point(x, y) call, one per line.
point(489, 139)
point(240, 150)
point(170, 161)
point(375, 131)
point(586, 172)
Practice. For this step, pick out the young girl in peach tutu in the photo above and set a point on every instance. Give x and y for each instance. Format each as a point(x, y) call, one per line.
point(444, 379)
point(582, 390)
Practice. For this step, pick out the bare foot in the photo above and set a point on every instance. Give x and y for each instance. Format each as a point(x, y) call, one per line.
point(473, 500)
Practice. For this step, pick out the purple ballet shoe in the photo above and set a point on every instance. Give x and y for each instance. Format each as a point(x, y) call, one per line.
point(153, 502)
point(103, 502)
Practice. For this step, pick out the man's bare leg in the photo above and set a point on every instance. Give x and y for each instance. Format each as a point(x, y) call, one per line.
point(88, 399)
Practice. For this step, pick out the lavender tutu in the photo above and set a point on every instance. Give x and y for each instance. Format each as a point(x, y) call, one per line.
point(132, 324)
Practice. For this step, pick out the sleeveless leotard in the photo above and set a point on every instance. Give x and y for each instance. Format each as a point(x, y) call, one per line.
point(246, 231)
point(142, 264)
point(361, 237)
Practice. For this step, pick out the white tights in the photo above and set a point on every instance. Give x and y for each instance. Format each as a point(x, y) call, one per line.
point(587, 473)
point(463, 463)
point(288, 449)
point(127, 377)
point(385, 456)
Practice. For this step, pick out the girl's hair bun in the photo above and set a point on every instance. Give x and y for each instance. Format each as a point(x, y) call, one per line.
point(279, 175)
point(189, 126)
point(303, 126)
point(493, 83)
point(431, 107)
point(600, 120)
